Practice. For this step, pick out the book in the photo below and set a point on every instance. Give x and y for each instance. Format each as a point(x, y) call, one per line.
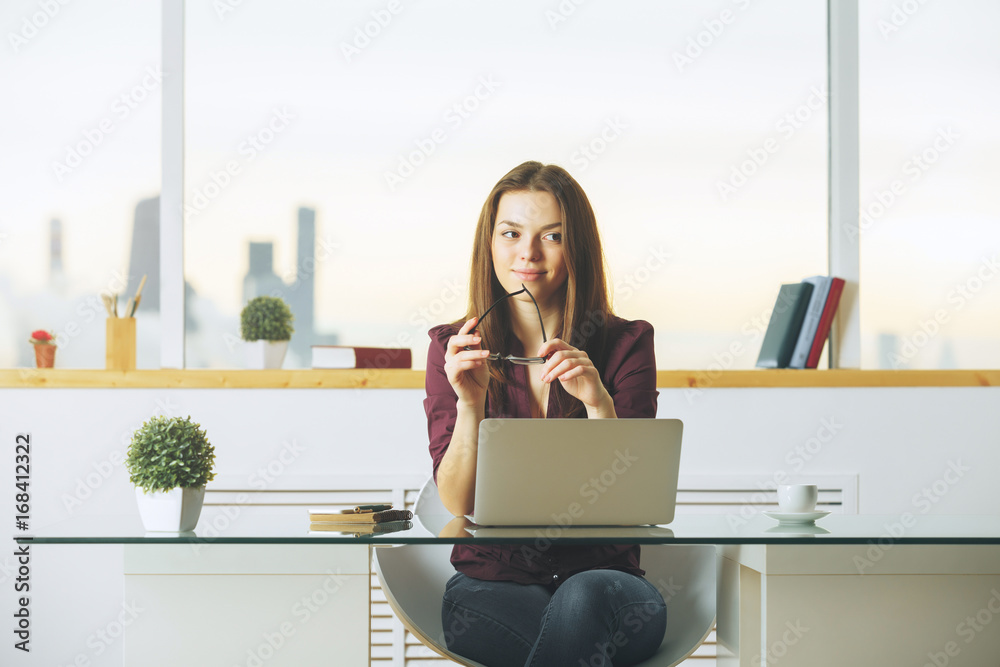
point(331, 515)
point(359, 529)
point(810, 324)
point(823, 330)
point(784, 326)
point(345, 356)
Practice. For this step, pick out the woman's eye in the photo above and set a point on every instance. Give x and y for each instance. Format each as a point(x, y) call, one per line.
point(555, 237)
point(509, 234)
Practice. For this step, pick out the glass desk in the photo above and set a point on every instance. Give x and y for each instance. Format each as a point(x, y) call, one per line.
point(836, 529)
point(851, 589)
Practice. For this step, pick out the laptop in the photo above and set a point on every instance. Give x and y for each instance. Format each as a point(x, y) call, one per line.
point(577, 472)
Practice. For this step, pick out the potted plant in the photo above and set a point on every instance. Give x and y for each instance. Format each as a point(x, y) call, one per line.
point(45, 348)
point(170, 461)
point(266, 326)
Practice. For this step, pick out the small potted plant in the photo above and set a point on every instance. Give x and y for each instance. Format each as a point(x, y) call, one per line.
point(266, 327)
point(45, 348)
point(170, 460)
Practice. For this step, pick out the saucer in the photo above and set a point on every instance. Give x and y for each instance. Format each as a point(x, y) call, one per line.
point(796, 517)
point(797, 530)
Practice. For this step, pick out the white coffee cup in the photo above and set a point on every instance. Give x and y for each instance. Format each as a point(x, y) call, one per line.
point(797, 498)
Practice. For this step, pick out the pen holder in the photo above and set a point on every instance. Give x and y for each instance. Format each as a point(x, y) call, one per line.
point(120, 344)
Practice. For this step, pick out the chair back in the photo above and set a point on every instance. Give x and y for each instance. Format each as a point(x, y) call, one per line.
point(413, 578)
point(685, 575)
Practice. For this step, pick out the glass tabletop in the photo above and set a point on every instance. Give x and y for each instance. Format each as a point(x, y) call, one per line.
point(438, 529)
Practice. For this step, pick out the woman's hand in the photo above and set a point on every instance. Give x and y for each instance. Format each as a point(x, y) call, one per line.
point(466, 368)
point(574, 369)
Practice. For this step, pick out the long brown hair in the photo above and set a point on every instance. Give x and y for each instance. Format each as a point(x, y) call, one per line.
point(587, 308)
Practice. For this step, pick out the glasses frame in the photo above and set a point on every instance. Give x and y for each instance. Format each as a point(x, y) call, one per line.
point(520, 361)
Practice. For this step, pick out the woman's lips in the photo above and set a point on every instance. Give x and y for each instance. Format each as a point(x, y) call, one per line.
point(528, 275)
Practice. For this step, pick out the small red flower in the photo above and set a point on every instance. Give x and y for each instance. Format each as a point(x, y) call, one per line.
point(41, 337)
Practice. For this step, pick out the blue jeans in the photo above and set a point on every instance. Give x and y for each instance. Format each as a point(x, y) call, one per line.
point(596, 618)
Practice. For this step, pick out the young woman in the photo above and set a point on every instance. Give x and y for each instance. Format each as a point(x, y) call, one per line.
point(537, 256)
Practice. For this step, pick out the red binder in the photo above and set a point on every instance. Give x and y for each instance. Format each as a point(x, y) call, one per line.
point(825, 320)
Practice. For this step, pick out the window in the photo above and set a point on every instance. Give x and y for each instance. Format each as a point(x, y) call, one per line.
point(930, 224)
point(81, 172)
point(342, 161)
point(338, 155)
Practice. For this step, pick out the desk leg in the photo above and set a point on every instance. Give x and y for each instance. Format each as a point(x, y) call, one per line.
point(273, 605)
point(738, 614)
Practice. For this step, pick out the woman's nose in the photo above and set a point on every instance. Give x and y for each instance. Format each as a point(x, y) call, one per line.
point(530, 250)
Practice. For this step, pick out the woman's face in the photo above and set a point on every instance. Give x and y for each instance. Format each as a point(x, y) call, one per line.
point(527, 244)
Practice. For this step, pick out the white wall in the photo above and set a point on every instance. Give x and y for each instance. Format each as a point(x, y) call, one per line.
point(898, 441)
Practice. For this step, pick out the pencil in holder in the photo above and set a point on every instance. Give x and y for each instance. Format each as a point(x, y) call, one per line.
point(120, 344)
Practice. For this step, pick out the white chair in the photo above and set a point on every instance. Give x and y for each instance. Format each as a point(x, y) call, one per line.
point(413, 577)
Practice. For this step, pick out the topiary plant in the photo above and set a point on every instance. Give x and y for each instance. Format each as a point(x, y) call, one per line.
point(266, 318)
point(170, 452)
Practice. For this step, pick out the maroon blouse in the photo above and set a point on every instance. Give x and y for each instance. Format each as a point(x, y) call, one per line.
point(630, 377)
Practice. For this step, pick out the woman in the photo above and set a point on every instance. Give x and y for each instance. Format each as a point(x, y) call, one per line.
point(537, 244)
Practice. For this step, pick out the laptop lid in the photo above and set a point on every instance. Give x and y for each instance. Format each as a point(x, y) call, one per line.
point(577, 472)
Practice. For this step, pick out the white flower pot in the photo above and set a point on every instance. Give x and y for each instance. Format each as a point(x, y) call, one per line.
point(174, 511)
point(265, 353)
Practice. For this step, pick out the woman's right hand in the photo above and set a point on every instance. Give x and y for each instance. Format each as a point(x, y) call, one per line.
point(466, 368)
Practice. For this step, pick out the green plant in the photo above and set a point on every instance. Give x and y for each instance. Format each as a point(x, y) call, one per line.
point(170, 452)
point(266, 318)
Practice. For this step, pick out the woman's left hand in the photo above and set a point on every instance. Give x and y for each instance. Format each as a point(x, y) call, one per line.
point(578, 375)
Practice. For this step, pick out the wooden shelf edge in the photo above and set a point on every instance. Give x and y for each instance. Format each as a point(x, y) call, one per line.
point(414, 379)
point(214, 379)
point(827, 378)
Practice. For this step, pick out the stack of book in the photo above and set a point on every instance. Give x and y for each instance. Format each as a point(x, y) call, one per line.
point(361, 520)
point(800, 323)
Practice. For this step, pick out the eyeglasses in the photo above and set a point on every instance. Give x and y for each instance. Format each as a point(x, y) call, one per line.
point(523, 361)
